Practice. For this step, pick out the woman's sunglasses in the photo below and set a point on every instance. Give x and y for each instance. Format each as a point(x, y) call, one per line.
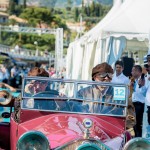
point(104, 75)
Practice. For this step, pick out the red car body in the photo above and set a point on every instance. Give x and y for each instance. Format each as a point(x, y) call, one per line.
point(62, 128)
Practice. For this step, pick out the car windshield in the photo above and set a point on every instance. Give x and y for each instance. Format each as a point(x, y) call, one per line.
point(72, 96)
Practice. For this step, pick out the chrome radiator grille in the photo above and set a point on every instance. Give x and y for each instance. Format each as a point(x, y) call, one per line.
point(75, 144)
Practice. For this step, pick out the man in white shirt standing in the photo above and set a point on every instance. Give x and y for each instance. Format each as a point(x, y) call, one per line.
point(138, 98)
point(119, 77)
point(147, 84)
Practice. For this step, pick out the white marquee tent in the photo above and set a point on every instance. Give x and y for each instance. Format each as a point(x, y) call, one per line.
point(108, 39)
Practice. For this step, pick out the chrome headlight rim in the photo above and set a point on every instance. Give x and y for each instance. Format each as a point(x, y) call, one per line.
point(30, 133)
point(88, 144)
point(97, 142)
point(135, 140)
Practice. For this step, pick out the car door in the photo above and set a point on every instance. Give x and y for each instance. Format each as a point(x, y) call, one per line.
point(5, 113)
point(6, 108)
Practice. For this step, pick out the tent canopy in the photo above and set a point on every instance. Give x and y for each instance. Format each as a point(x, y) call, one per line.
point(133, 18)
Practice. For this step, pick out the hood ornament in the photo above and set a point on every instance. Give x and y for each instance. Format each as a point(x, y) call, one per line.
point(87, 123)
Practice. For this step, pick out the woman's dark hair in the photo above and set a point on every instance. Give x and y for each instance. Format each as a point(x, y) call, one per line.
point(36, 71)
point(138, 67)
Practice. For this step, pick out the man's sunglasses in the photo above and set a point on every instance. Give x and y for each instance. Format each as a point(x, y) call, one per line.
point(104, 75)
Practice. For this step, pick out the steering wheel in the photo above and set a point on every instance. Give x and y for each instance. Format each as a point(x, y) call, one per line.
point(51, 93)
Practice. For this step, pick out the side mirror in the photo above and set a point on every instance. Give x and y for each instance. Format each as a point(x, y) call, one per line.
point(5, 98)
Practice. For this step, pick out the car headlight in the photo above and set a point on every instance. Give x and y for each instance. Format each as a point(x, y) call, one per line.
point(88, 145)
point(137, 144)
point(5, 98)
point(33, 140)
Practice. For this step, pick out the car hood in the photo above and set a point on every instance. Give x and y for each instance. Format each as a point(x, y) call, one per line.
point(61, 128)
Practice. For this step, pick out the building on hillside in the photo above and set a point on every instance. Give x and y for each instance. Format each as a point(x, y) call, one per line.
point(30, 3)
point(20, 21)
point(76, 26)
point(4, 4)
point(87, 2)
point(3, 17)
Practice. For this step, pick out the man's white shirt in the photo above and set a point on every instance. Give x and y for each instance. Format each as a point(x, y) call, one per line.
point(120, 79)
point(147, 84)
point(139, 93)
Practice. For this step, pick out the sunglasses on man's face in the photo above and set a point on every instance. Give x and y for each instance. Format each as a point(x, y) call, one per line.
point(104, 75)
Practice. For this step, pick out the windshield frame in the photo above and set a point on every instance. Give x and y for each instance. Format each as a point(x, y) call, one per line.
point(76, 83)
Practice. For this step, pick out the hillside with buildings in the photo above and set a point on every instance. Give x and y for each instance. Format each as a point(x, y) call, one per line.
point(4, 4)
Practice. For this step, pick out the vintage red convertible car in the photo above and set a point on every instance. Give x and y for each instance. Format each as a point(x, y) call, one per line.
point(66, 115)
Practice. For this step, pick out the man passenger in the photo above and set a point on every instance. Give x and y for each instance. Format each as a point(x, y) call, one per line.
point(101, 73)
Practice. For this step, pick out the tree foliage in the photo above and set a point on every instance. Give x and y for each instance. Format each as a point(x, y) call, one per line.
point(27, 40)
point(91, 14)
point(14, 8)
point(11, 9)
point(76, 14)
point(43, 15)
point(37, 15)
point(95, 10)
point(69, 4)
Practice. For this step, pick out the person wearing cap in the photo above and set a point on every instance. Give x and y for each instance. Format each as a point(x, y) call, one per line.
point(35, 87)
point(29, 90)
point(147, 100)
point(101, 73)
point(118, 76)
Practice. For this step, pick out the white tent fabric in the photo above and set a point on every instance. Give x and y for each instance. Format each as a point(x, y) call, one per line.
point(88, 59)
point(132, 19)
point(107, 40)
point(74, 60)
point(115, 49)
